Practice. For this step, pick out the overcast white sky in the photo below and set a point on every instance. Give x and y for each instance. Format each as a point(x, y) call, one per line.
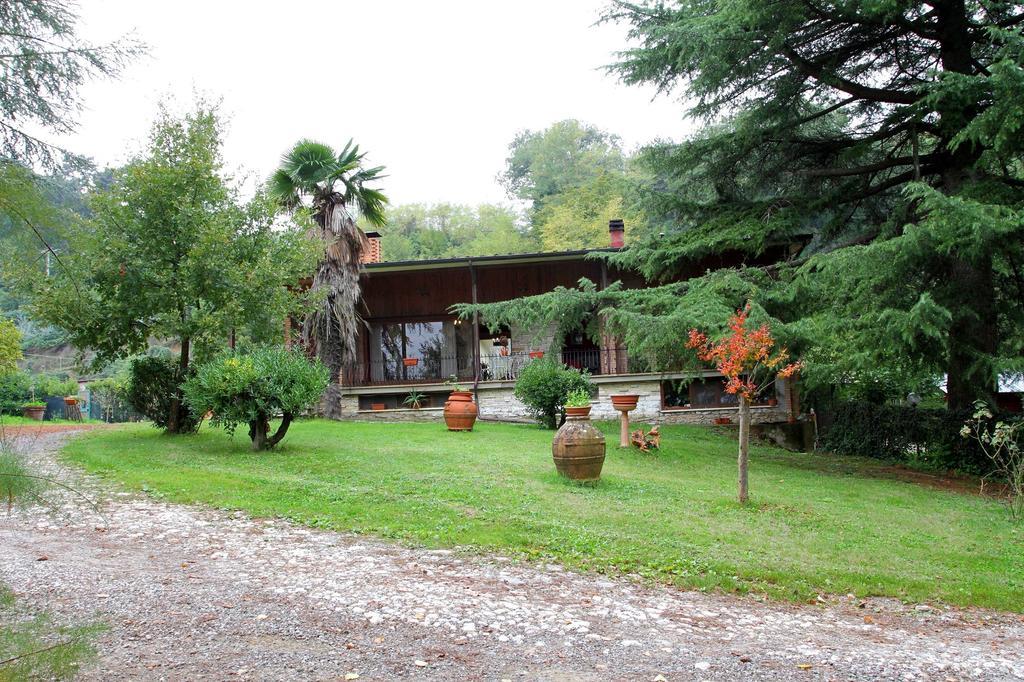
point(435, 91)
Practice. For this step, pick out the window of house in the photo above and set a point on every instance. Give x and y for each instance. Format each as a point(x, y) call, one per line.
point(705, 393)
point(429, 350)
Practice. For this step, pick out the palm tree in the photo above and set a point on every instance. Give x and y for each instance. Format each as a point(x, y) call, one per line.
point(311, 175)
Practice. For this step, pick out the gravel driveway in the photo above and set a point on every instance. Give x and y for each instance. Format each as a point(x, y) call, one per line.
point(193, 593)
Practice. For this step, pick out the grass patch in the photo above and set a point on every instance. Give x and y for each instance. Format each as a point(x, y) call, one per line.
point(33, 648)
point(815, 524)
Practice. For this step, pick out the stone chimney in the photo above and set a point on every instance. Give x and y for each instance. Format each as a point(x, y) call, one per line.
point(616, 233)
point(372, 254)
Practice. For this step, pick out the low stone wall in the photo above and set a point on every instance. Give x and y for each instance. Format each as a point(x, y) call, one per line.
point(497, 402)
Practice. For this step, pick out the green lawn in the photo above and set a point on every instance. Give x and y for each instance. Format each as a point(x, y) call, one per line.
point(816, 524)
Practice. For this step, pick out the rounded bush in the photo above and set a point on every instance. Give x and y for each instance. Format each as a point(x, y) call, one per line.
point(544, 386)
point(254, 386)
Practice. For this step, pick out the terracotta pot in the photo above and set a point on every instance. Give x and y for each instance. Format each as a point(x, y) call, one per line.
point(577, 411)
point(460, 411)
point(378, 406)
point(70, 401)
point(410, 362)
point(536, 354)
point(773, 402)
point(626, 401)
point(578, 447)
point(33, 412)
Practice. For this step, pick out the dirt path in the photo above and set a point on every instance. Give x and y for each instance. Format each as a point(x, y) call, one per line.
point(192, 593)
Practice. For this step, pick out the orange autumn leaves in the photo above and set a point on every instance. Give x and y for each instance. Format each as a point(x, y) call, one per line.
point(743, 355)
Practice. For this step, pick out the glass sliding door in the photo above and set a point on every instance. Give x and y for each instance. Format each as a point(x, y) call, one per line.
point(429, 350)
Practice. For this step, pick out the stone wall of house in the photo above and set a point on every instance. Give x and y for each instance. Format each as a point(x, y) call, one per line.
point(498, 403)
point(526, 340)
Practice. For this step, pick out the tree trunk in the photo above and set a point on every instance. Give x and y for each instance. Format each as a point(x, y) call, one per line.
point(973, 337)
point(175, 421)
point(744, 448)
point(259, 431)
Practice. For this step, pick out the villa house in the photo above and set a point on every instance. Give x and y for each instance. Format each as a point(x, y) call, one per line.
point(412, 342)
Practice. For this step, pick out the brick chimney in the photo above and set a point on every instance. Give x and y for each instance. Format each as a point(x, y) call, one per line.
point(372, 254)
point(616, 233)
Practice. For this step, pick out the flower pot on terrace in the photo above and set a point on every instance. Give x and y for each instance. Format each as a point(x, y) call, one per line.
point(460, 411)
point(536, 354)
point(578, 448)
point(410, 362)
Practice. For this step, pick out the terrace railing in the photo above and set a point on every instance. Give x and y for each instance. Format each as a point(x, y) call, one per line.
point(493, 367)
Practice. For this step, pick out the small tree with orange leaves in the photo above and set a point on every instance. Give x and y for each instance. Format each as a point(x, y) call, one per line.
point(750, 362)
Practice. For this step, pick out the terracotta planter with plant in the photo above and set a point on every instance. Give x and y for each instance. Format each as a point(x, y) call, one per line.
point(578, 448)
point(34, 411)
point(460, 411)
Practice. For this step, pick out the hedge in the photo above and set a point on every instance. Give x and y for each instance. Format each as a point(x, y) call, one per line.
point(905, 434)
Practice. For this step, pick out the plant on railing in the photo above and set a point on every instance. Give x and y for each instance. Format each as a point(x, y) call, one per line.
point(453, 384)
point(1001, 443)
point(747, 358)
point(414, 400)
point(544, 385)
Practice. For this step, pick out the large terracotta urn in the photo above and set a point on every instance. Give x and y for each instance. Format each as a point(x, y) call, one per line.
point(578, 447)
point(460, 411)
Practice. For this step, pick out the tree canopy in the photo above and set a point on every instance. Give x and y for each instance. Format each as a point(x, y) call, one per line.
point(44, 64)
point(882, 139)
point(170, 252)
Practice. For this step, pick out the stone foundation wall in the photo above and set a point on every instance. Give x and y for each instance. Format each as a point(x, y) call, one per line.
point(497, 403)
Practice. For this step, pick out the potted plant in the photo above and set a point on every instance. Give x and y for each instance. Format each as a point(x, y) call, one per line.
point(459, 410)
point(377, 407)
point(414, 400)
point(536, 354)
point(70, 400)
point(578, 448)
point(34, 410)
point(577, 403)
point(410, 362)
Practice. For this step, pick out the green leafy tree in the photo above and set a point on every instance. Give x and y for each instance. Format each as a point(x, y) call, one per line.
point(884, 136)
point(254, 387)
point(567, 154)
point(329, 185)
point(420, 231)
point(171, 253)
point(578, 217)
point(10, 347)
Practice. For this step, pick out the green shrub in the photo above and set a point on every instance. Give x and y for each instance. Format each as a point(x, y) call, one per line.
point(544, 385)
point(51, 385)
point(904, 434)
point(253, 387)
point(110, 393)
point(15, 391)
point(153, 383)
